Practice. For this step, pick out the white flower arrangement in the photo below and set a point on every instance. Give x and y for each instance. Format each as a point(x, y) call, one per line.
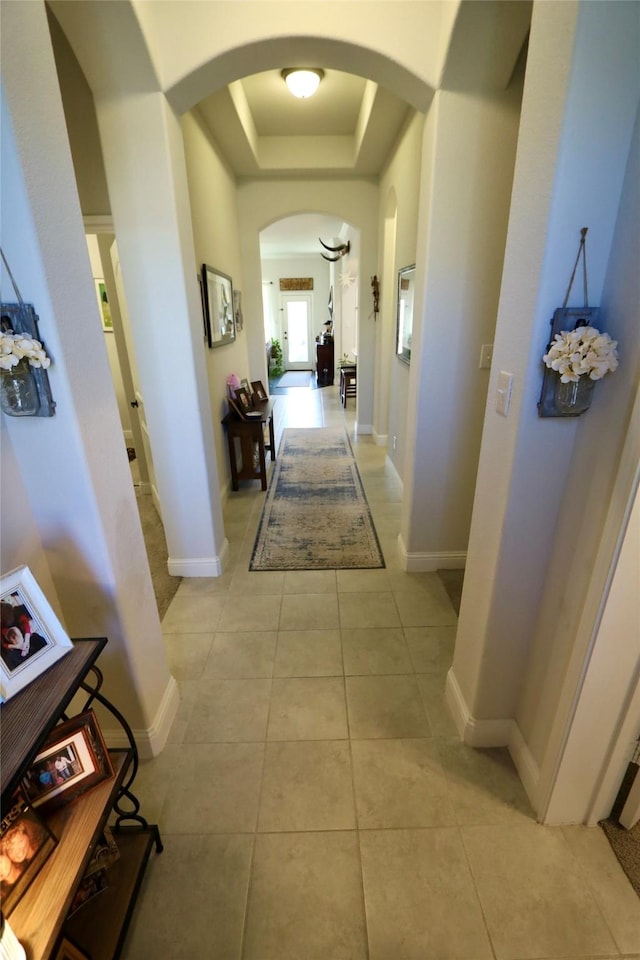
point(15, 347)
point(580, 352)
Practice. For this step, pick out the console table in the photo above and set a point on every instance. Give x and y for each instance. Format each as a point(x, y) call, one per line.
point(249, 432)
point(324, 364)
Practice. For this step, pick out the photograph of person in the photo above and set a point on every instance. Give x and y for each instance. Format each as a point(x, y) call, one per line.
point(19, 637)
point(25, 843)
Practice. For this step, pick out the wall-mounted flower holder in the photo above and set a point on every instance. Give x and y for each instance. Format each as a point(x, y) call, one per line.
point(24, 388)
point(577, 355)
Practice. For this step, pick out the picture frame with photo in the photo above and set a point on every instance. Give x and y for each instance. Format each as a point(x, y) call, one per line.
point(103, 302)
point(218, 300)
point(26, 842)
point(67, 950)
point(73, 760)
point(32, 638)
point(243, 399)
point(259, 391)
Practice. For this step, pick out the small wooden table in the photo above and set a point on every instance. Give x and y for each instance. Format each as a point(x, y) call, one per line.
point(250, 434)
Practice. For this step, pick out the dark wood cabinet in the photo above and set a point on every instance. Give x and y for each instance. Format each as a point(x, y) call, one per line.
point(324, 364)
point(39, 919)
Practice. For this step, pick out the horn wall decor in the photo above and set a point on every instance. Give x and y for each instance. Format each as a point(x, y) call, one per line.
point(342, 249)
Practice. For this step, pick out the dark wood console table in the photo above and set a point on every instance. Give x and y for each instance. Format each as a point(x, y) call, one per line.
point(324, 364)
point(249, 432)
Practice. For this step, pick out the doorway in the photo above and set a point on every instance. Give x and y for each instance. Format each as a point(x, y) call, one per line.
point(297, 318)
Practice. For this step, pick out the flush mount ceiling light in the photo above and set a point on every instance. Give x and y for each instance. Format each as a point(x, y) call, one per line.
point(302, 83)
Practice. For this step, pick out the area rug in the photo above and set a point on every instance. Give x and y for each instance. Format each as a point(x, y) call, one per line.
point(295, 378)
point(626, 846)
point(316, 515)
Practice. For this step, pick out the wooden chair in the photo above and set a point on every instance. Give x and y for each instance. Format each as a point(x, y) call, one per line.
point(348, 382)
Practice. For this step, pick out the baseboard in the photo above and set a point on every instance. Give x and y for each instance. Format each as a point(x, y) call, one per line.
point(128, 438)
point(428, 562)
point(380, 439)
point(150, 742)
point(200, 566)
point(493, 733)
point(390, 465)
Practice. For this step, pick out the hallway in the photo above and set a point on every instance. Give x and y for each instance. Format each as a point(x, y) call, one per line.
point(314, 798)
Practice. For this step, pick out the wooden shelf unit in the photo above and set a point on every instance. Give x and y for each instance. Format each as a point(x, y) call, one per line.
point(40, 917)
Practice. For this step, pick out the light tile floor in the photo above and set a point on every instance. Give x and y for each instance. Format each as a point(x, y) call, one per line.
point(314, 799)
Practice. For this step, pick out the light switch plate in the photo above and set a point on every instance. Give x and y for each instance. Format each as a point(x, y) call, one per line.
point(503, 393)
point(486, 356)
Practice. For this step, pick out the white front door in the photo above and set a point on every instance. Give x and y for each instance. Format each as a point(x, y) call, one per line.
point(296, 331)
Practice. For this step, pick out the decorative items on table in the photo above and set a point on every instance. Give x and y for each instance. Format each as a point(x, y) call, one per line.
point(577, 355)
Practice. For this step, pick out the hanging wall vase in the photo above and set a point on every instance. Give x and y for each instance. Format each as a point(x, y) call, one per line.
point(18, 391)
point(574, 397)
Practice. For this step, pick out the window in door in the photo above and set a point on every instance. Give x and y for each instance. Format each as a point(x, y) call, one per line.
point(297, 331)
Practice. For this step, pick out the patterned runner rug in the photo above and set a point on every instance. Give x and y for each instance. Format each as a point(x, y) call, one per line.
point(316, 515)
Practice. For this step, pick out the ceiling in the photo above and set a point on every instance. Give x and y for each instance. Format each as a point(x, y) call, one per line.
point(347, 129)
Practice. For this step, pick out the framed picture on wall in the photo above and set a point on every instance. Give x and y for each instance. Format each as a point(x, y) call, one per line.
point(105, 309)
point(404, 330)
point(218, 299)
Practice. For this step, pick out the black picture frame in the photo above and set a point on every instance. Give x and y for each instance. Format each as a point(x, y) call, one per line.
point(259, 391)
point(217, 288)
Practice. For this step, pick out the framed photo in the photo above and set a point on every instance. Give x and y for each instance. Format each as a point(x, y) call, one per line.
point(68, 951)
point(246, 386)
point(103, 303)
point(73, 760)
point(404, 331)
point(258, 390)
point(25, 843)
point(32, 638)
point(243, 399)
point(218, 299)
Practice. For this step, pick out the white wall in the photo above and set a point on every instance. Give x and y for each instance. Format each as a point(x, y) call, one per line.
point(468, 158)
point(212, 196)
point(402, 177)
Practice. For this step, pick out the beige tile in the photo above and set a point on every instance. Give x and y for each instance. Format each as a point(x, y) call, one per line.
point(378, 651)
point(187, 689)
point(534, 896)
point(305, 898)
point(485, 787)
point(363, 581)
point(310, 581)
point(204, 586)
point(307, 786)
point(212, 788)
point(192, 614)
point(424, 610)
point(420, 898)
point(618, 901)
point(302, 611)
point(187, 653)
point(428, 584)
point(256, 583)
point(246, 654)
point(431, 648)
point(250, 613)
point(188, 909)
point(229, 711)
point(308, 653)
point(432, 691)
point(385, 707)
point(400, 783)
point(312, 708)
point(367, 610)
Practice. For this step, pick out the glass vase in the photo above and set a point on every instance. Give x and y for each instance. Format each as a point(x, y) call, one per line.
point(18, 391)
point(573, 398)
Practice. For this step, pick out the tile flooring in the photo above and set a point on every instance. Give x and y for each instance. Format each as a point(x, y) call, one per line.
point(314, 799)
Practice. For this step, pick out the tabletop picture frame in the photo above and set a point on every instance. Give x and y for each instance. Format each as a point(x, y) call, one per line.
point(259, 391)
point(26, 843)
point(217, 290)
point(32, 637)
point(73, 760)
